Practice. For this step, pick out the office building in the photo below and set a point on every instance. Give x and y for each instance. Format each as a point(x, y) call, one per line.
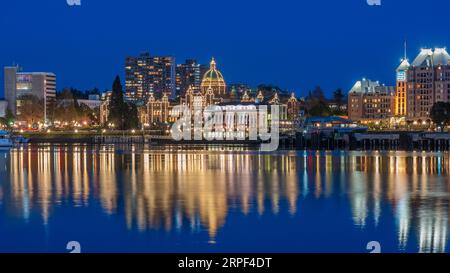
point(21, 86)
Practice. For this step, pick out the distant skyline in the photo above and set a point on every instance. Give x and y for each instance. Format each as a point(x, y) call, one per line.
point(296, 45)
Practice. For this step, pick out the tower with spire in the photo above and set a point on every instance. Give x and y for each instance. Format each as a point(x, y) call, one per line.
point(402, 86)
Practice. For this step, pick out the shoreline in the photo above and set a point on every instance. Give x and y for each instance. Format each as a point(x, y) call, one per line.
point(371, 141)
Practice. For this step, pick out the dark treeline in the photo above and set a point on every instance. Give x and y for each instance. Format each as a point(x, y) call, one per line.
point(79, 94)
point(316, 103)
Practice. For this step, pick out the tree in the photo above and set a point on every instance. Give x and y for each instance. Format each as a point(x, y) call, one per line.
point(66, 109)
point(117, 105)
point(318, 94)
point(31, 109)
point(316, 103)
point(269, 89)
point(339, 100)
point(440, 113)
point(85, 113)
point(320, 109)
point(338, 97)
point(8, 119)
point(122, 115)
point(133, 121)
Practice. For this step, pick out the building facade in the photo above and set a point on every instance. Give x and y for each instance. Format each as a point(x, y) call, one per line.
point(160, 110)
point(20, 86)
point(3, 108)
point(419, 86)
point(427, 82)
point(145, 74)
point(189, 75)
point(93, 102)
point(369, 101)
point(157, 110)
point(402, 89)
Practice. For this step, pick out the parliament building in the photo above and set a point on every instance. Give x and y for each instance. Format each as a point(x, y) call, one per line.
point(158, 112)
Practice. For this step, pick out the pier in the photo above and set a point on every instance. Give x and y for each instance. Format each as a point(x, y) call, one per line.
point(369, 141)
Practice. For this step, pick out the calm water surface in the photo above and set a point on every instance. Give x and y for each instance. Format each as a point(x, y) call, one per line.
point(133, 199)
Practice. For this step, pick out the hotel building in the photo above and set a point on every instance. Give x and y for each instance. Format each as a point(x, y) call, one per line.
point(427, 82)
point(419, 85)
point(370, 101)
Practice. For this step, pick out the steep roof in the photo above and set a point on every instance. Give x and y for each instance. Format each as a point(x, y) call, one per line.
point(429, 57)
point(441, 57)
point(364, 86)
point(404, 65)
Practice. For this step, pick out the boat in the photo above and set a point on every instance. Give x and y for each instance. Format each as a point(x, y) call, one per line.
point(5, 139)
point(21, 140)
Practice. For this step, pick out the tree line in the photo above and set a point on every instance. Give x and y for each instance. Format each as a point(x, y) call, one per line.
point(317, 105)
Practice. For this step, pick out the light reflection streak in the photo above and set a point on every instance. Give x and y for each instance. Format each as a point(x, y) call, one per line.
point(199, 189)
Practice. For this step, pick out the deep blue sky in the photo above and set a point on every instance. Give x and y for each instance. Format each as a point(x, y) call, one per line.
point(294, 44)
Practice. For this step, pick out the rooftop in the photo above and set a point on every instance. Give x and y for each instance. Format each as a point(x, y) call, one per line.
point(429, 57)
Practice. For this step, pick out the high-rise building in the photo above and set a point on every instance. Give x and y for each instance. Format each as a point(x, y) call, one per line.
point(20, 86)
point(427, 82)
point(147, 74)
point(371, 101)
point(189, 75)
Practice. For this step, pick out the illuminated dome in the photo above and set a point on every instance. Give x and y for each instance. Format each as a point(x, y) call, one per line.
point(213, 79)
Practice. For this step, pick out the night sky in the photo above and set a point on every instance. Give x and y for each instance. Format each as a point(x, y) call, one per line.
point(294, 44)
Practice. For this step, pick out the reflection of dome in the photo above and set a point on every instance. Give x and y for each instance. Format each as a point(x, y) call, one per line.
point(214, 79)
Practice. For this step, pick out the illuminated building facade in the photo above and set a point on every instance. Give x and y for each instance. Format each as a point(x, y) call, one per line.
point(237, 90)
point(147, 74)
point(157, 109)
point(427, 82)
point(213, 79)
point(213, 92)
point(104, 107)
point(401, 89)
point(371, 101)
point(188, 75)
point(293, 108)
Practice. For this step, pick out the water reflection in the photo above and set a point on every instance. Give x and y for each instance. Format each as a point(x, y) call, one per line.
point(417, 188)
point(174, 189)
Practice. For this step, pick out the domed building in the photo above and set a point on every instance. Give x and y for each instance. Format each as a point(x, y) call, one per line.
point(159, 112)
point(213, 79)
